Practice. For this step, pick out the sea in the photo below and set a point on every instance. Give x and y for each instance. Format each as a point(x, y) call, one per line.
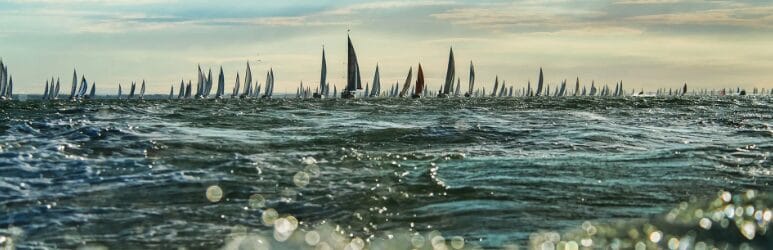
point(691, 172)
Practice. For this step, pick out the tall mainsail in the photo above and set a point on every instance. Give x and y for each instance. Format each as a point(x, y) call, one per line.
point(171, 91)
point(472, 80)
point(419, 83)
point(220, 84)
point(248, 82)
point(271, 86)
point(45, 92)
point(84, 87)
point(93, 92)
point(200, 83)
point(142, 89)
point(9, 88)
point(684, 89)
point(181, 94)
point(120, 92)
point(450, 74)
point(458, 86)
point(577, 86)
point(539, 84)
point(236, 87)
point(2, 78)
point(208, 88)
point(74, 84)
point(407, 84)
point(323, 75)
point(188, 89)
point(353, 79)
point(496, 86)
point(56, 89)
point(376, 84)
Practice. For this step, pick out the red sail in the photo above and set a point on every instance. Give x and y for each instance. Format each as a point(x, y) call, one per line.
point(420, 81)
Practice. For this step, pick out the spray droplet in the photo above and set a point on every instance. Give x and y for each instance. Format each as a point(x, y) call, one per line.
point(214, 193)
point(301, 179)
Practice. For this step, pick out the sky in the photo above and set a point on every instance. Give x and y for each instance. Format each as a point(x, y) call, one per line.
point(644, 43)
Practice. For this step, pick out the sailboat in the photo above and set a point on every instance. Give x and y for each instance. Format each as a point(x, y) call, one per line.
point(120, 92)
point(419, 83)
point(74, 84)
point(235, 92)
point(84, 87)
point(45, 91)
point(56, 90)
point(220, 84)
point(248, 82)
point(93, 92)
point(496, 86)
point(376, 91)
point(539, 84)
point(407, 84)
point(3, 86)
point(353, 79)
point(472, 80)
point(181, 94)
point(450, 75)
point(142, 90)
point(171, 91)
point(322, 77)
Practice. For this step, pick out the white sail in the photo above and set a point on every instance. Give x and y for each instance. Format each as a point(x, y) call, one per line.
point(376, 84)
point(236, 87)
point(323, 75)
point(93, 92)
point(74, 84)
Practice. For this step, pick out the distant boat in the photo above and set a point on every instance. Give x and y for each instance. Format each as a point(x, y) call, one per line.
point(74, 84)
point(45, 91)
point(376, 91)
point(419, 83)
point(235, 92)
point(577, 86)
point(450, 75)
point(189, 89)
point(119, 91)
point(323, 77)
point(3, 85)
point(142, 90)
point(181, 94)
point(353, 79)
point(93, 92)
point(56, 89)
point(684, 89)
point(539, 83)
point(84, 87)
point(269, 84)
point(472, 81)
point(171, 92)
point(248, 82)
point(496, 86)
point(407, 84)
point(220, 84)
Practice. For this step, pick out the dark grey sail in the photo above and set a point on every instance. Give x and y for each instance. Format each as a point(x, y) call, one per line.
point(450, 74)
point(353, 79)
point(539, 83)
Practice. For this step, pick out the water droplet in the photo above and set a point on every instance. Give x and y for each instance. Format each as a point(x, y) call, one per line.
point(312, 238)
point(269, 216)
point(312, 170)
point(457, 242)
point(301, 179)
point(656, 236)
point(705, 223)
point(417, 241)
point(748, 229)
point(257, 201)
point(214, 193)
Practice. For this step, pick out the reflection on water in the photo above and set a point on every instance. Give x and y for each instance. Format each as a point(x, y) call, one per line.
point(545, 173)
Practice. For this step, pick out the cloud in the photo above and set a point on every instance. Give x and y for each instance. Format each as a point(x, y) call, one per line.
point(750, 17)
